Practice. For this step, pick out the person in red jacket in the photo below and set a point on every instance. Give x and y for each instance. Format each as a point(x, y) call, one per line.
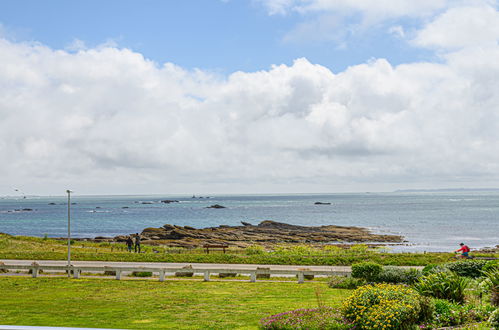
point(465, 250)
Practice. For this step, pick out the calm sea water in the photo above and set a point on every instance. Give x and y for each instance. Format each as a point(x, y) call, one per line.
point(434, 221)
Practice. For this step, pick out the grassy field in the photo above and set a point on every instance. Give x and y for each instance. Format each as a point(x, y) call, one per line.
point(142, 304)
point(33, 248)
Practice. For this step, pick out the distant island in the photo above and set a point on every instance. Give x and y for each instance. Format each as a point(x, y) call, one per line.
point(446, 190)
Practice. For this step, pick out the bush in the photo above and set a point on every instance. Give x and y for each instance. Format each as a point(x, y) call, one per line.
point(494, 319)
point(391, 274)
point(451, 314)
point(141, 274)
point(345, 282)
point(493, 283)
point(317, 318)
point(446, 285)
point(490, 265)
point(467, 268)
point(385, 306)
point(254, 249)
point(366, 270)
point(433, 268)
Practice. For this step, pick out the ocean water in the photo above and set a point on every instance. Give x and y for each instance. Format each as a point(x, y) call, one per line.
point(429, 221)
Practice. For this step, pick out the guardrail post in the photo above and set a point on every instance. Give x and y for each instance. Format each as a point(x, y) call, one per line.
point(253, 276)
point(162, 275)
point(34, 271)
point(206, 275)
point(76, 273)
point(301, 277)
point(118, 274)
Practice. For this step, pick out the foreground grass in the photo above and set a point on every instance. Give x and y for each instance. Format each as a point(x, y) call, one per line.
point(142, 304)
point(33, 248)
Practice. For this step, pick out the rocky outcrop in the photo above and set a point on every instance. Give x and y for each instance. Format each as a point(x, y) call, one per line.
point(216, 206)
point(266, 233)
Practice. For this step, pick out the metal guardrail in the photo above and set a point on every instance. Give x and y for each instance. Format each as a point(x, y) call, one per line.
point(78, 270)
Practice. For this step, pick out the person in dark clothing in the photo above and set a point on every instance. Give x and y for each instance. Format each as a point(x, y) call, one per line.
point(137, 243)
point(465, 250)
point(129, 243)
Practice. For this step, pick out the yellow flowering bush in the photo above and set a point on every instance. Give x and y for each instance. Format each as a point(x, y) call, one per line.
point(383, 306)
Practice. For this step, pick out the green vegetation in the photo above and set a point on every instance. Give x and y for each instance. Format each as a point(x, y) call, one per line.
point(368, 271)
point(144, 304)
point(33, 248)
point(386, 306)
point(445, 285)
point(323, 318)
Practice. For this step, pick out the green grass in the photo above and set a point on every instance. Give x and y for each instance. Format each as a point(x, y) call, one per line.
point(143, 304)
point(33, 248)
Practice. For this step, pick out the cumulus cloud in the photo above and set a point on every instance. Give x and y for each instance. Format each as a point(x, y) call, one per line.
point(434, 23)
point(374, 9)
point(109, 120)
point(461, 27)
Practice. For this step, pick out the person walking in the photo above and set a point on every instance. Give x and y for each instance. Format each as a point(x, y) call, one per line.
point(129, 243)
point(137, 243)
point(465, 250)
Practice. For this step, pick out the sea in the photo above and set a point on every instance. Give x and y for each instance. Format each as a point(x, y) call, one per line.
point(429, 221)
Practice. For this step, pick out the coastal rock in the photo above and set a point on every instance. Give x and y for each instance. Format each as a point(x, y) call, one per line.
point(266, 233)
point(168, 201)
point(216, 206)
point(246, 223)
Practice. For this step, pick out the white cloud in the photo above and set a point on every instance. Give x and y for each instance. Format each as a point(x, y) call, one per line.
point(107, 120)
point(461, 27)
point(445, 24)
point(370, 8)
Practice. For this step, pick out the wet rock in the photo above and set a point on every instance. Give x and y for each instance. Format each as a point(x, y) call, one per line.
point(266, 233)
point(216, 206)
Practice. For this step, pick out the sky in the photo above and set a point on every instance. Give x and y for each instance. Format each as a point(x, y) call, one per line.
point(248, 96)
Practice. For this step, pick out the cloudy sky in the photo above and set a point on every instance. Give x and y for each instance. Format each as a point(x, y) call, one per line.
point(248, 96)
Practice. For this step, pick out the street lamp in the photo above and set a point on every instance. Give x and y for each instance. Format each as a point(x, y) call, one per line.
point(69, 231)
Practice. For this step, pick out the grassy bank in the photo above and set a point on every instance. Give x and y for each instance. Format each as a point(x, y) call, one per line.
point(152, 305)
point(33, 248)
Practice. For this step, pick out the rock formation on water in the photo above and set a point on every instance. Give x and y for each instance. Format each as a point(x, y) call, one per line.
point(266, 233)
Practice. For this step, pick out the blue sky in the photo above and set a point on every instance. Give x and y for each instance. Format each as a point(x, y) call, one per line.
point(222, 36)
point(248, 96)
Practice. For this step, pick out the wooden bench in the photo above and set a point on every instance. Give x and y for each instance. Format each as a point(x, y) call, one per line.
point(215, 246)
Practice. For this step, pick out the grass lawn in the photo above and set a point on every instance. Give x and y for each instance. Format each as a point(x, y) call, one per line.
point(143, 304)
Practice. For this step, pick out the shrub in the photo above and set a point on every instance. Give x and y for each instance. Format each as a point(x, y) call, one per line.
point(493, 284)
point(345, 282)
point(254, 249)
point(359, 248)
point(391, 274)
point(451, 314)
point(366, 270)
point(490, 265)
point(317, 318)
point(433, 268)
point(447, 285)
point(467, 268)
point(385, 306)
point(141, 274)
point(494, 319)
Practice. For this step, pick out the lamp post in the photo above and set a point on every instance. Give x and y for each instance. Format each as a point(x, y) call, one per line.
point(69, 231)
